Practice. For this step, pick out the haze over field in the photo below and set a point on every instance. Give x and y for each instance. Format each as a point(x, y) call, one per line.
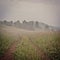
point(18, 44)
point(47, 11)
point(29, 29)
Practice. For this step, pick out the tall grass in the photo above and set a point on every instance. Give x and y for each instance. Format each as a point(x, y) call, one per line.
point(5, 42)
point(25, 50)
point(49, 43)
point(30, 45)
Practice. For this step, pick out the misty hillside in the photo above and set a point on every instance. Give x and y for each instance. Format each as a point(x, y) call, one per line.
point(31, 25)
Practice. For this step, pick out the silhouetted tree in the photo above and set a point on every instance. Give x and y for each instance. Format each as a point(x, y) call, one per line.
point(37, 24)
point(10, 23)
point(47, 27)
point(24, 21)
point(17, 23)
point(5, 22)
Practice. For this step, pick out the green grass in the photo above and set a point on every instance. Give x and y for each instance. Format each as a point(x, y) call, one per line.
point(29, 45)
point(25, 51)
point(5, 42)
point(49, 43)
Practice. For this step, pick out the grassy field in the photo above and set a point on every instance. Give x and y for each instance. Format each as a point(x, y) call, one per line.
point(5, 41)
point(30, 45)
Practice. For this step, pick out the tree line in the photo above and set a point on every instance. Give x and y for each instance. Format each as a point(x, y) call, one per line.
point(26, 25)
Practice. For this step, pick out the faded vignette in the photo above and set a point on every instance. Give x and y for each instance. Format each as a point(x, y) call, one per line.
point(29, 29)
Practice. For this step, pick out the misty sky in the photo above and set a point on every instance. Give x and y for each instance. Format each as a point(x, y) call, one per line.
point(47, 11)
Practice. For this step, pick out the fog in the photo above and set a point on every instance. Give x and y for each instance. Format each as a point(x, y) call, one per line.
point(47, 11)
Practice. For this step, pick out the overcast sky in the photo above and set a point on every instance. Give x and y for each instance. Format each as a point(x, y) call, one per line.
point(47, 11)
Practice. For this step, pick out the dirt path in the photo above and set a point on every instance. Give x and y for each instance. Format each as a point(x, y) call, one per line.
point(40, 52)
point(8, 55)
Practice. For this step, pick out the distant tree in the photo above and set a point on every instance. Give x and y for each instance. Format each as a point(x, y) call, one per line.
point(18, 21)
point(24, 21)
point(37, 24)
point(31, 22)
point(5, 22)
point(47, 27)
point(1, 22)
point(11, 22)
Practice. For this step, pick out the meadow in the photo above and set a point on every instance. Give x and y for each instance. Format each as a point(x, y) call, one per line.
point(30, 45)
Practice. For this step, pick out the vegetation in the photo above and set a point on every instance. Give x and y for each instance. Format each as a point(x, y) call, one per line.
point(48, 43)
point(30, 25)
point(31, 46)
point(5, 43)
